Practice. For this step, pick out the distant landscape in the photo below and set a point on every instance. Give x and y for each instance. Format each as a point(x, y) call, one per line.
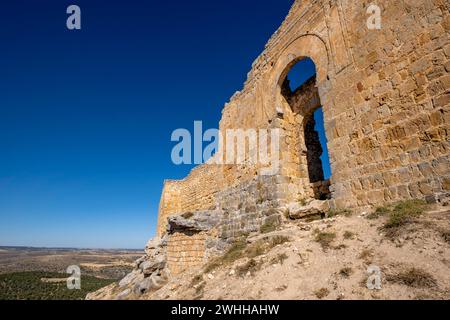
point(40, 273)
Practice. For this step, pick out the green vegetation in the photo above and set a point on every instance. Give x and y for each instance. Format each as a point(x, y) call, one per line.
point(445, 234)
point(29, 286)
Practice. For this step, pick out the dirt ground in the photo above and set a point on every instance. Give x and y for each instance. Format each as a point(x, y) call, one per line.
point(415, 264)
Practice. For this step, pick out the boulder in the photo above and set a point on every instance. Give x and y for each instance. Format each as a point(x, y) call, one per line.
point(131, 278)
point(316, 207)
point(150, 266)
point(196, 221)
point(123, 294)
point(154, 282)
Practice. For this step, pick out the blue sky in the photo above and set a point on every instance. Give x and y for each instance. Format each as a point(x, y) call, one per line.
point(86, 116)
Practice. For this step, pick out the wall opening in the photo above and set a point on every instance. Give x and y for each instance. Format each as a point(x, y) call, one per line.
point(300, 91)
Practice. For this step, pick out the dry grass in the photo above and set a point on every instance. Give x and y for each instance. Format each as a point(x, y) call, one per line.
point(196, 280)
point(366, 255)
point(324, 238)
point(348, 235)
point(322, 293)
point(398, 215)
point(240, 249)
point(279, 258)
point(413, 277)
point(269, 225)
point(346, 272)
point(445, 234)
point(338, 212)
point(250, 266)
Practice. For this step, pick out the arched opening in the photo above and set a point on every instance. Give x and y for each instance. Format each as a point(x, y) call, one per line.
point(300, 91)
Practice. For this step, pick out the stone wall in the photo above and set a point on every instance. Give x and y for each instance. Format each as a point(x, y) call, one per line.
point(185, 250)
point(386, 103)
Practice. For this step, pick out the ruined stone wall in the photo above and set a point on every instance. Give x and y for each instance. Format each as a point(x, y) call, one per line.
point(385, 97)
point(185, 250)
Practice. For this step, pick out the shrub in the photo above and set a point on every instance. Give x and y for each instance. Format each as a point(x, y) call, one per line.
point(348, 235)
point(279, 258)
point(346, 272)
point(269, 225)
point(250, 266)
point(324, 238)
point(322, 293)
point(338, 212)
point(29, 286)
point(413, 277)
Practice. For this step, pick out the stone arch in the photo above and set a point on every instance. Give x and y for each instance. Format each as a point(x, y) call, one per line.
point(307, 45)
point(303, 169)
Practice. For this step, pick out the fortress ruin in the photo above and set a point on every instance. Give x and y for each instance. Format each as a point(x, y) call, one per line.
point(385, 95)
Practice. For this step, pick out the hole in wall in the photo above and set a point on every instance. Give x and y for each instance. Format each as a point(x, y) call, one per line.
point(299, 90)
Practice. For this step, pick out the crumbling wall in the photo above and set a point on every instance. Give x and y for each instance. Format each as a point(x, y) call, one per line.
point(385, 98)
point(185, 250)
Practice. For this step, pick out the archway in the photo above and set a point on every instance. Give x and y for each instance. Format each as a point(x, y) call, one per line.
point(300, 92)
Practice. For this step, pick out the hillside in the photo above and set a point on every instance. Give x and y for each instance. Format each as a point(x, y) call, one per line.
point(326, 259)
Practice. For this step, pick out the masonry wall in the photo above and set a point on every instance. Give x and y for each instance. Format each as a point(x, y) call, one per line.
point(185, 250)
point(385, 97)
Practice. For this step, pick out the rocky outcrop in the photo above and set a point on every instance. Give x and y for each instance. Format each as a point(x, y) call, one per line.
point(194, 221)
point(314, 208)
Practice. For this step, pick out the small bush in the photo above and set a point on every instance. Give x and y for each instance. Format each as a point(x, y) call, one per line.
point(366, 254)
point(413, 277)
point(240, 249)
point(279, 258)
point(196, 280)
point(346, 272)
point(325, 238)
point(445, 234)
point(250, 266)
point(322, 293)
point(269, 225)
point(348, 235)
point(338, 212)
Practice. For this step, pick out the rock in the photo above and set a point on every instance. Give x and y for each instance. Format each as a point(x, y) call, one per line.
point(197, 221)
point(150, 266)
point(210, 276)
point(123, 294)
point(138, 262)
point(232, 272)
point(154, 282)
point(131, 278)
point(297, 211)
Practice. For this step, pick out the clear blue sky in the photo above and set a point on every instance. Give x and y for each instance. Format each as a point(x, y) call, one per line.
point(86, 116)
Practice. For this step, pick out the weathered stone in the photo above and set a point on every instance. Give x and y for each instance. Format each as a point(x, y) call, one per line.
point(122, 295)
point(384, 96)
point(150, 266)
point(199, 221)
point(131, 278)
point(298, 211)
